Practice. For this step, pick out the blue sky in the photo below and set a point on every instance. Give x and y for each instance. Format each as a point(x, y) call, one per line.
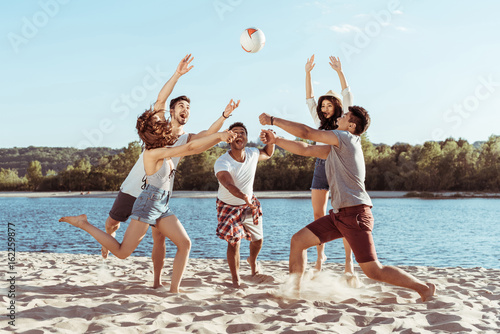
point(78, 73)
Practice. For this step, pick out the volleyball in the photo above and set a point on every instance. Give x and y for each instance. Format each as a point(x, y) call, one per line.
point(252, 40)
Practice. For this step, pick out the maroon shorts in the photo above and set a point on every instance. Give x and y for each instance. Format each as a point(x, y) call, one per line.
point(122, 207)
point(355, 224)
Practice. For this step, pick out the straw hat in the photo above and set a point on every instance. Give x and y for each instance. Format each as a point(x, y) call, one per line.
point(332, 93)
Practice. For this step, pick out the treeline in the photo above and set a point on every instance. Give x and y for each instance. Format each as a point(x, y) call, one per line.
point(450, 165)
point(50, 158)
point(106, 173)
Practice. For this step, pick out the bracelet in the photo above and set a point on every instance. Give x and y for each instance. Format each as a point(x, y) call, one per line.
point(272, 120)
point(225, 115)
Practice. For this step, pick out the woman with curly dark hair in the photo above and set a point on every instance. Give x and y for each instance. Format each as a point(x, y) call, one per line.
point(325, 113)
point(151, 207)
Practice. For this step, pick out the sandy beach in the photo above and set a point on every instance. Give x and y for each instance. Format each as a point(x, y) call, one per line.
point(68, 293)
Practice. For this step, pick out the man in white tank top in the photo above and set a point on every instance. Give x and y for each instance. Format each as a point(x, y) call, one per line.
point(238, 210)
point(131, 188)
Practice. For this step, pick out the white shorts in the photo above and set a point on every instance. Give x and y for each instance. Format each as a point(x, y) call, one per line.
point(256, 231)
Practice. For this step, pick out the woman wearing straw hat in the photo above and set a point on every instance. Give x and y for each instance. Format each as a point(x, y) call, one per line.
point(325, 113)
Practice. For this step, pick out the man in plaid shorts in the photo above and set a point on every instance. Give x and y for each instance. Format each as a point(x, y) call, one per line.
point(238, 210)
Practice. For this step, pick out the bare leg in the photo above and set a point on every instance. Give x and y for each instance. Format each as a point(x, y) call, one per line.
point(133, 235)
point(111, 226)
point(319, 199)
point(395, 276)
point(233, 259)
point(158, 256)
point(255, 247)
point(349, 264)
point(172, 228)
point(301, 241)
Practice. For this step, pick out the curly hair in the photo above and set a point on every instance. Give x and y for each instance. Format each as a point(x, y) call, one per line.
point(154, 133)
point(329, 123)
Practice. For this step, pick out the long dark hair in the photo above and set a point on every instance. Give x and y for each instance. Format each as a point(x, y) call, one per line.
point(329, 123)
point(154, 133)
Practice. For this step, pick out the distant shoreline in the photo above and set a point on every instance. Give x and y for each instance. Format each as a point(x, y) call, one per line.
point(259, 194)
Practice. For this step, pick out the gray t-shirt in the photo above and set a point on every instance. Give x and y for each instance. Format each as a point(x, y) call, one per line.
point(345, 171)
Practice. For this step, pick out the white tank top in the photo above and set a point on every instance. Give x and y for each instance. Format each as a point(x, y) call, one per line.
point(133, 182)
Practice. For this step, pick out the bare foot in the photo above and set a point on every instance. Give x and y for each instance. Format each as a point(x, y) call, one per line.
point(111, 230)
point(349, 267)
point(157, 285)
point(255, 267)
point(104, 252)
point(236, 283)
point(179, 291)
point(431, 291)
point(77, 221)
point(352, 280)
point(319, 262)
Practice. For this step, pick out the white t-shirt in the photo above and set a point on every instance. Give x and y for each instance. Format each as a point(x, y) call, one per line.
point(133, 182)
point(243, 174)
point(346, 103)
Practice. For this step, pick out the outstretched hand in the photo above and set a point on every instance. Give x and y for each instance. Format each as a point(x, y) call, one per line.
point(265, 119)
point(335, 63)
point(183, 66)
point(228, 136)
point(310, 64)
point(230, 108)
point(268, 136)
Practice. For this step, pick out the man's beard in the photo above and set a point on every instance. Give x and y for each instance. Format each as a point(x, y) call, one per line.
point(181, 120)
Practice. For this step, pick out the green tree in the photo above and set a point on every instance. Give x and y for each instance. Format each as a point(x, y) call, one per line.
point(467, 169)
point(489, 164)
point(34, 174)
point(427, 166)
point(10, 180)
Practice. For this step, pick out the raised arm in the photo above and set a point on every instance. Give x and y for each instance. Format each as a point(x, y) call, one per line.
point(309, 66)
point(337, 66)
point(347, 99)
point(227, 181)
point(266, 152)
point(295, 147)
point(193, 147)
point(167, 89)
point(217, 125)
point(300, 130)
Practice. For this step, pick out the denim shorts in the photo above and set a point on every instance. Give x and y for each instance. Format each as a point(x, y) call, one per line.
point(320, 182)
point(151, 205)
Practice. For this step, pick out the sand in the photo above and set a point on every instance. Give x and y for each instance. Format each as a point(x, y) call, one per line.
point(68, 293)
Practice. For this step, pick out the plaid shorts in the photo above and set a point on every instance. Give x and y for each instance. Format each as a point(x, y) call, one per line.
point(230, 217)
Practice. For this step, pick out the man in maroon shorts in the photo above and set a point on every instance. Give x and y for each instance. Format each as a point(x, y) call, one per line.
point(351, 216)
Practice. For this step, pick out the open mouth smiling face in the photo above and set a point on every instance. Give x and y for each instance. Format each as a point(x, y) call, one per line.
point(183, 117)
point(327, 109)
point(181, 112)
point(241, 137)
